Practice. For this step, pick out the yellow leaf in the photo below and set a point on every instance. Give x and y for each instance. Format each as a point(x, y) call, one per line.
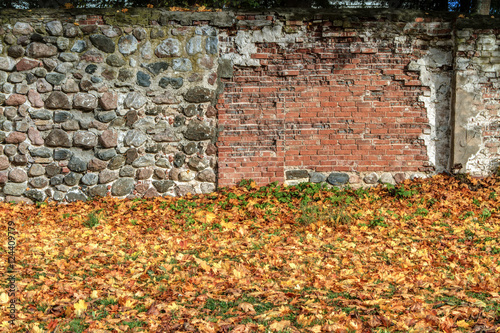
point(462, 324)
point(210, 217)
point(203, 264)
point(94, 294)
point(80, 307)
point(247, 307)
point(315, 329)
point(4, 298)
point(129, 303)
point(279, 325)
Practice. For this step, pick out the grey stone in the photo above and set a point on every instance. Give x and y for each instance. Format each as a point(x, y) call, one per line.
point(387, 178)
point(54, 28)
point(190, 110)
point(90, 179)
point(79, 46)
point(62, 43)
point(157, 67)
point(39, 182)
point(62, 116)
point(296, 174)
point(98, 191)
point(21, 28)
point(163, 186)
point(211, 45)
point(116, 162)
point(140, 33)
point(115, 60)
point(70, 86)
point(122, 187)
point(40, 72)
point(199, 131)
point(71, 30)
point(134, 100)
point(20, 159)
point(197, 163)
point(179, 160)
point(41, 152)
point(106, 154)
point(58, 100)
point(131, 155)
point(40, 50)
point(62, 154)
point(7, 64)
point(182, 65)
point(96, 79)
point(127, 44)
point(76, 164)
point(7, 126)
point(35, 195)
point(316, 177)
point(337, 178)
point(163, 163)
point(371, 178)
point(127, 171)
point(207, 187)
point(53, 169)
point(58, 196)
point(157, 32)
point(169, 135)
point(55, 79)
point(206, 176)
point(198, 95)
point(57, 138)
point(144, 161)
point(15, 189)
point(183, 190)
point(125, 74)
point(225, 69)
point(143, 79)
point(103, 43)
point(75, 196)
point(15, 51)
point(399, 177)
point(193, 45)
point(111, 32)
point(84, 139)
point(90, 69)
point(72, 125)
point(106, 117)
point(36, 170)
point(17, 175)
point(168, 48)
point(146, 50)
point(41, 114)
point(16, 77)
point(83, 101)
point(176, 82)
point(72, 178)
point(190, 148)
point(10, 150)
point(135, 138)
point(107, 176)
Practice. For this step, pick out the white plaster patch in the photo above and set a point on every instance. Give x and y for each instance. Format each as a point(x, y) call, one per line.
point(437, 103)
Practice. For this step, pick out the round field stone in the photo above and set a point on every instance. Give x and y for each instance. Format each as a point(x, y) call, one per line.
point(122, 187)
point(39, 182)
point(127, 44)
point(337, 178)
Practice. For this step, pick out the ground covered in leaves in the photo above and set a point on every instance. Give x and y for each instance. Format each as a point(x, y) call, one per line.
point(423, 256)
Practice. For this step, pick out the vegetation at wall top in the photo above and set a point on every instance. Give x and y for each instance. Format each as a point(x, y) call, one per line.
point(462, 6)
point(419, 256)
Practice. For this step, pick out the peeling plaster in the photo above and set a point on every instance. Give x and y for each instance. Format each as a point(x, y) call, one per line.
point(437, 103)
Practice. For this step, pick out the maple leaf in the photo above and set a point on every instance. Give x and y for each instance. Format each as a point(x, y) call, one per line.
point(279, 325)
point(4, 298)
point(247, 308)
point(80, 308)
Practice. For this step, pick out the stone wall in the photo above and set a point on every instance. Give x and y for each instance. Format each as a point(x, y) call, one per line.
point(151, 102)
point(90, 109)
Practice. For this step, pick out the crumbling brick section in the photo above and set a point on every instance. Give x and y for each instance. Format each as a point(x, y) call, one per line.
point(333, 101)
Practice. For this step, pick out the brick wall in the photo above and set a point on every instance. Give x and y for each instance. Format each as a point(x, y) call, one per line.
point(341, 96)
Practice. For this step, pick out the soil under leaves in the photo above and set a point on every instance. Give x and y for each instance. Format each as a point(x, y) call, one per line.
point(421, 256)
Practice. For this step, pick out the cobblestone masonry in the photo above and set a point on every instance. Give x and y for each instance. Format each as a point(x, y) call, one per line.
point(150, 102)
